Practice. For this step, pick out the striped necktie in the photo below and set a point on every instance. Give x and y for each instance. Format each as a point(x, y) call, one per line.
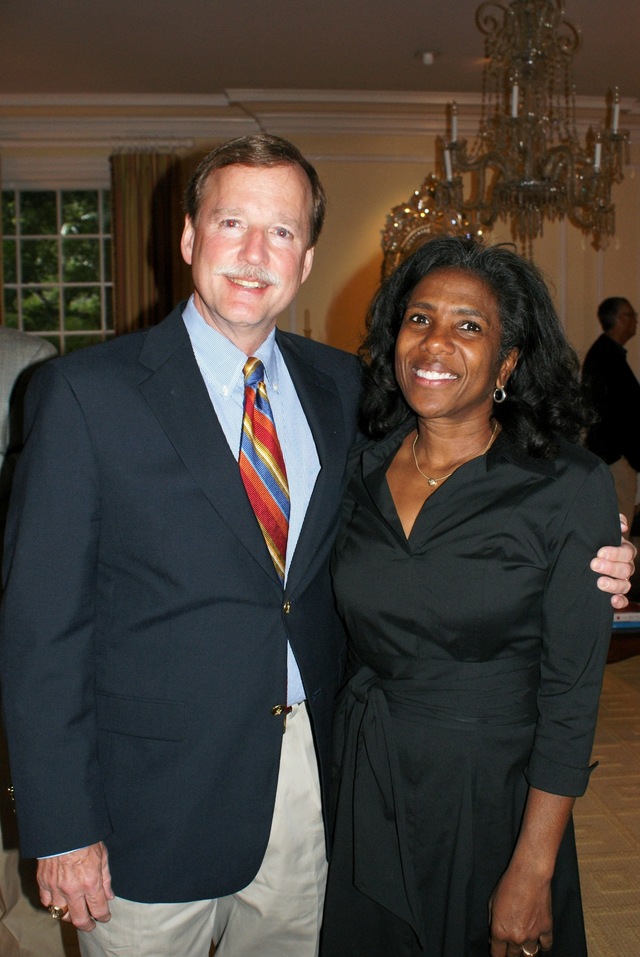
point(262, 465)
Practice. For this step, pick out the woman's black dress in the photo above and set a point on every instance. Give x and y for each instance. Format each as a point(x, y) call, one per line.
point(477, 648)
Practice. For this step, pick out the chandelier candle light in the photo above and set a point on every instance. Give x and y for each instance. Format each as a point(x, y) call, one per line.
point(527, 163)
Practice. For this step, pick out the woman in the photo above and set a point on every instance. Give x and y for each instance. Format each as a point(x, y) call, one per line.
point(477, 636)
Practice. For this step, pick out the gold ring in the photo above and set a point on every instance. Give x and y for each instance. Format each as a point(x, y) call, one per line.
point(57, 912)
point(531, 953)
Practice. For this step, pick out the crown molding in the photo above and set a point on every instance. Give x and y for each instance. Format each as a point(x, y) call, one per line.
point(103, 118)
point(112, 100)
point(179, 122)
point(36, 171)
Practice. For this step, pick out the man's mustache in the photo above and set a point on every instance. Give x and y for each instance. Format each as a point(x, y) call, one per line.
point(250, 274)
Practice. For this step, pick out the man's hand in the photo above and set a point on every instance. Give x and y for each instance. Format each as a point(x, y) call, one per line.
point(616, 566)
point(80, 881)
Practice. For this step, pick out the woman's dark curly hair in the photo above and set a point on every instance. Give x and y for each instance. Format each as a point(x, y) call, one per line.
point(545, 399)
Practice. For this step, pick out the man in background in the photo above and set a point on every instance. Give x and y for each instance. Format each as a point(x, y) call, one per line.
point(25, 929)
point(615, 393)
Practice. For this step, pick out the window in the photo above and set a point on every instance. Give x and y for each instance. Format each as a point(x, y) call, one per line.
point(56, 247)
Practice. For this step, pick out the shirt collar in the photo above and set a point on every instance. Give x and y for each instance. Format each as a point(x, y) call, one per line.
point(220, 361)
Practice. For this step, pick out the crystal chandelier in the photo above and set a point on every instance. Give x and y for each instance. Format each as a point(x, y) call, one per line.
point(527, 163)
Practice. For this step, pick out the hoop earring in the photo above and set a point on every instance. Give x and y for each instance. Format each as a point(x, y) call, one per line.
point(499, 394)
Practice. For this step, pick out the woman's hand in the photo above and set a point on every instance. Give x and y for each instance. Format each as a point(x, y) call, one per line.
point(520, 917)
point(520, 913)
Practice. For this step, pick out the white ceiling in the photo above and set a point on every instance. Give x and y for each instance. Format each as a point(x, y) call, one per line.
point(208, 46)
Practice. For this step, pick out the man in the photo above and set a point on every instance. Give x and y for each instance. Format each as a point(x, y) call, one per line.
point(615, 393)
point(156, 649)
point(147, 693)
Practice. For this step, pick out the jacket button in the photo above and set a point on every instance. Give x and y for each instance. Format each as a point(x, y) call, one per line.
point(277, 709)
point(286, 607)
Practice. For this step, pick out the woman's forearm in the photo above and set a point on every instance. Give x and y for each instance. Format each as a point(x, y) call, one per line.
point(544, 822)
point(521, 903)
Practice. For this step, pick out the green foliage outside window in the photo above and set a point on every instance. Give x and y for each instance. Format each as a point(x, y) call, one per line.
point(56, 249)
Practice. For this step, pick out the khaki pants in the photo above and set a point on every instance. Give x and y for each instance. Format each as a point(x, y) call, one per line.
point(277, 915)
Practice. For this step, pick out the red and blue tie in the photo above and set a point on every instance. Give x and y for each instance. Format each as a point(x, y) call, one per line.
point(262, 465)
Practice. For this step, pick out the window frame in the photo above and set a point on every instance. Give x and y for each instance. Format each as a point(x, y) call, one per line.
point(63, 337)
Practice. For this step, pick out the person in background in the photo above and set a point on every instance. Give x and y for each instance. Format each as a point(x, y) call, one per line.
point(20, 355)
point(24, 930)
point(477, 637)
point(615, 394)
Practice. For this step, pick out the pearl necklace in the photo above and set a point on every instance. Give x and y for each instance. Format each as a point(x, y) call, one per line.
point(434, 481)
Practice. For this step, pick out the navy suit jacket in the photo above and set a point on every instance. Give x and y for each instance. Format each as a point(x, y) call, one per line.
point(144, 629)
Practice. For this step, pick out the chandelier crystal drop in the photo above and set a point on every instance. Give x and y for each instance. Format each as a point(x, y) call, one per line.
point(527, 164)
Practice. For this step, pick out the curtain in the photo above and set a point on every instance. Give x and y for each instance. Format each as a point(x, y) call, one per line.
point(149, 275)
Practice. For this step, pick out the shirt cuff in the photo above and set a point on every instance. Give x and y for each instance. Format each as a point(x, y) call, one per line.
point(48, 857)
point(548, 775)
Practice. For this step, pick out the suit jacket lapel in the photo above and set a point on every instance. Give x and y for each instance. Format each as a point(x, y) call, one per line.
point(319, 398)
point(176, 392)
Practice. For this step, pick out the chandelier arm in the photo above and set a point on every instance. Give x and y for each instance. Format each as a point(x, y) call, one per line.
point(491, 160)
point(560, 157)
point(487, 22)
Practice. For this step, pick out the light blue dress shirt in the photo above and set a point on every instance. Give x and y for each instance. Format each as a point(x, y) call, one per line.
point(221, 363)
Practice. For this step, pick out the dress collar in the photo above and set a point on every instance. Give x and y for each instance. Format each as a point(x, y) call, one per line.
point(376, 452)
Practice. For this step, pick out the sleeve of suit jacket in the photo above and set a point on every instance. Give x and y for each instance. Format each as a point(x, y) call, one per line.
point(47, 616)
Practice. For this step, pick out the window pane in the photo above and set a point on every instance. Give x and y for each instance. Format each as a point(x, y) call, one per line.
point(106, 211)
point(40, 310)
point(71, 343)
point(82, 309)
point(9, 260)
point(56, 249)
point(11, 308)
point(107, 260)
point(8, 212)
point(108, 308)
point(39, 260)
point(80, 212)
point(38, 214)
point(81, 260)
point(54, 340)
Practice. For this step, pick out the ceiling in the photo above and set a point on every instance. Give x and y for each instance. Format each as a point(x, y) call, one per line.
point(192, 47)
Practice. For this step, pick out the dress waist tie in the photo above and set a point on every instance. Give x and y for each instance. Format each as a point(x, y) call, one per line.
point(385, 872)
point(383, 868)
